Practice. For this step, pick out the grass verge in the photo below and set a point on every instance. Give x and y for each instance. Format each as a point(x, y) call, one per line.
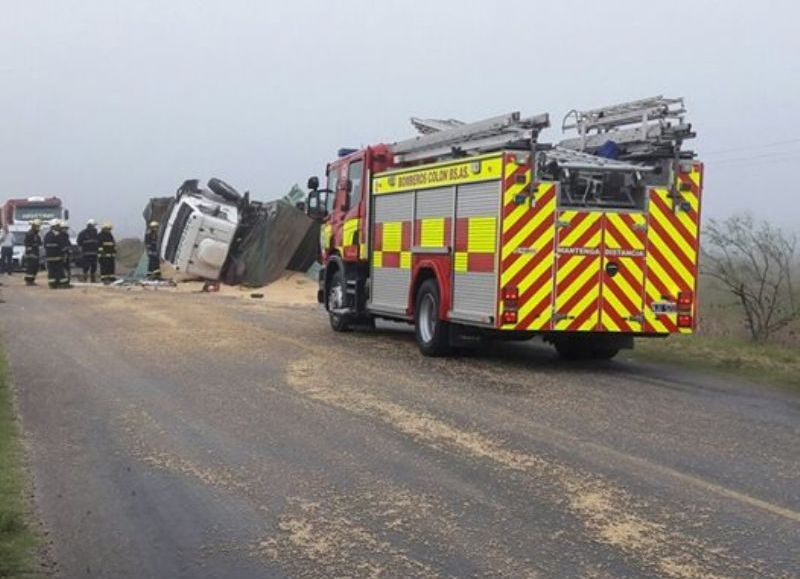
point(18, 540)
point(763, 363)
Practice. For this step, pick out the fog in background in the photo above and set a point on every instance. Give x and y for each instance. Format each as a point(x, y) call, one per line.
point(108, 103)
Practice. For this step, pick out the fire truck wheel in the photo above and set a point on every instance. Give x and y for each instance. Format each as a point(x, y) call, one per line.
point(336, 293)
point(433, 334)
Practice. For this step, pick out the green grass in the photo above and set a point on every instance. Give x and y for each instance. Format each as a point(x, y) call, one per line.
point(18, 540)
point(765, 363)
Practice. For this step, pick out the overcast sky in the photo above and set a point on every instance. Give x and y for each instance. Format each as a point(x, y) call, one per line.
point(106, 103)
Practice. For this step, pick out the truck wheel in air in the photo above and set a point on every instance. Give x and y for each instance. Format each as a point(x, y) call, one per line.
point(224, 190)
point(336, 301)
point(433, 334)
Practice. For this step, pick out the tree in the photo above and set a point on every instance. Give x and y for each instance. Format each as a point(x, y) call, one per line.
point(754, 262)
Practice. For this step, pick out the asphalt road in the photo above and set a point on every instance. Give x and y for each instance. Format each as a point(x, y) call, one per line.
point(197, 436)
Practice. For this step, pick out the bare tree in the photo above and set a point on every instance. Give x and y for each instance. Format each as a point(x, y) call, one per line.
point(755, 263)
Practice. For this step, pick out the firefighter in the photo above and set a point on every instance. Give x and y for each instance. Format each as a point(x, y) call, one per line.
point(88, 242)
point(151, 244)
point(106, 254)
point(66, 248)
point(54, 253)
point(33, 245)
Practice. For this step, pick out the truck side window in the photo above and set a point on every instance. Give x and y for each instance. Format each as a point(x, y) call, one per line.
point(333, 185)
point(354, 173)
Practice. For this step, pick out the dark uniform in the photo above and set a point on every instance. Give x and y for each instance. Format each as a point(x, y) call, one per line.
point(89, 244)
point(106, 254)
point(33, 245)
point(66, 246)
point(153, 261)
point(54, 252)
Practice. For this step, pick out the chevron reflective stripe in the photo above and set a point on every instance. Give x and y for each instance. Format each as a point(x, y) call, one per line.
point(526, 253)
point(578, 262)
point(624, 241)
point(672, 251)
point(392, 245)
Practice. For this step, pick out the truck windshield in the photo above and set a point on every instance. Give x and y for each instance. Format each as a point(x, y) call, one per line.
point(19, 238)
point(36, 212)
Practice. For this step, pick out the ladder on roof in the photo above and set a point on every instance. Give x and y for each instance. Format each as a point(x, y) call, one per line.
point(647, 128)
point(443, 138)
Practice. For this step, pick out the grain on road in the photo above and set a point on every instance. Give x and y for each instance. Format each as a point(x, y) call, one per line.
point(177, 434)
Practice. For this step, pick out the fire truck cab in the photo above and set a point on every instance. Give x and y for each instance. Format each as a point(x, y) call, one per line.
point(477, 231)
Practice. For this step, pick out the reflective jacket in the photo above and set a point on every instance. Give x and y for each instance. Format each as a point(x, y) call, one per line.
point(54, 245)
point(107, 247)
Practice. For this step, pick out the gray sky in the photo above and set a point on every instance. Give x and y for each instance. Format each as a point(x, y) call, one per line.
point(106, 103)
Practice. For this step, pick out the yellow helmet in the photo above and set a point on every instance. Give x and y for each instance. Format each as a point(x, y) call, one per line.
point(36, 222)
point(108, 225)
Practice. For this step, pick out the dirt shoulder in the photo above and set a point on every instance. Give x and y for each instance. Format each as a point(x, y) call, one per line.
point(762, 363)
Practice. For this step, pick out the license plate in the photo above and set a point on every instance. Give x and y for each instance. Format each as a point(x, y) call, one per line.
point(664, 307)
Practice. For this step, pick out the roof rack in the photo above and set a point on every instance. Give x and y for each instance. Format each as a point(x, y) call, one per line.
point(443, 138)
point(642, 129)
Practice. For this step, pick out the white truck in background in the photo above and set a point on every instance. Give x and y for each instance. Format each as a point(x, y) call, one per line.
point(17, 215)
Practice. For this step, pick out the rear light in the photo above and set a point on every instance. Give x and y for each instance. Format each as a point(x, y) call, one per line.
point(510, 317)
point(510, 297)
point(684, 301)
point(684, 321)
point(510, 293)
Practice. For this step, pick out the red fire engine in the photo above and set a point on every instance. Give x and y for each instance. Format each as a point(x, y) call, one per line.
point(479, 231)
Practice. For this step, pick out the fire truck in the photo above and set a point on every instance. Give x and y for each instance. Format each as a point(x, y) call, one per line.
point(479, 231)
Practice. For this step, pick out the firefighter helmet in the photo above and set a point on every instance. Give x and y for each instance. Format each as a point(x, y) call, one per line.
point(36, 223)
point(108, 225)
point(91, 223)
point(55, 223)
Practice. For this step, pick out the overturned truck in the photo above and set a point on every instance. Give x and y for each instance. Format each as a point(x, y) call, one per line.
point(218, 234)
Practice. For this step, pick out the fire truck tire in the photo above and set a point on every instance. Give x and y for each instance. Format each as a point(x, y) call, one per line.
point(224, 190)
point(339, 322)
point(433, 334)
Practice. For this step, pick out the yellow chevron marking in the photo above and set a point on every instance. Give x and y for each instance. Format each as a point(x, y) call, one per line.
point(585, 275)
point(515, 216)
point(687, 276)
point(687, 250)
point(584, 303)
point(634, 241)
point(481, 234)
point(515, 267)
point(534, 301)
point(529, 228)
point(573, 234)
point(537, 271)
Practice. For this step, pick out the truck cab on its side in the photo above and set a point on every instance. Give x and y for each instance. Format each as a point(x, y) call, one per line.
point(201, 228)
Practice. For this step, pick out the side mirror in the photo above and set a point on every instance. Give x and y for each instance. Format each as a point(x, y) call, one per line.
point(316, 205)
point(66, 214)
point(313, 183)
